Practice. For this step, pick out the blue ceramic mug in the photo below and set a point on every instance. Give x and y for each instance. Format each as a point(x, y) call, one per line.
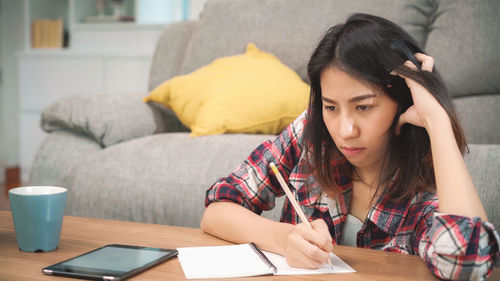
point(38, 213)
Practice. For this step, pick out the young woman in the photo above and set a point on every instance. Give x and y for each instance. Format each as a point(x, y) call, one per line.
point(375, 162)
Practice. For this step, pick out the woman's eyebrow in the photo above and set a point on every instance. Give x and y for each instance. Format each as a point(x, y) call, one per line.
point(351, 100)
point(360, 98)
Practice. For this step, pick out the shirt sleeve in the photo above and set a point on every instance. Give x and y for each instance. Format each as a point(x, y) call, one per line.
point(457, 247)
point(251, 185)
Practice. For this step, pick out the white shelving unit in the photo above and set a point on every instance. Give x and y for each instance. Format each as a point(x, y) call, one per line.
point(101, 57)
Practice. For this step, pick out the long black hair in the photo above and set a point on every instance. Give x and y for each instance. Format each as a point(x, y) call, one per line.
point(368, 48)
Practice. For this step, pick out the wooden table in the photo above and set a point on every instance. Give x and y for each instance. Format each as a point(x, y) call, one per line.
point(80, 235)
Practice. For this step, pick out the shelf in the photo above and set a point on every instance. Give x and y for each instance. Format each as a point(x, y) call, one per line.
point(116, 26)
point(137, 11)
point(150, 17)
point(66, 53)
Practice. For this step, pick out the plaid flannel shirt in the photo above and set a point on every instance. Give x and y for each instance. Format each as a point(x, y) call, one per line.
point(453, 247)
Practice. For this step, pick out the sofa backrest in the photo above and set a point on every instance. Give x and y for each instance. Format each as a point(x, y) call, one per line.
point(169, 52)
point(462, 35)
point(289, 29)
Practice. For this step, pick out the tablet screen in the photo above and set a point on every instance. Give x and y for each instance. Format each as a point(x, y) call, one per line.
point(111, 260)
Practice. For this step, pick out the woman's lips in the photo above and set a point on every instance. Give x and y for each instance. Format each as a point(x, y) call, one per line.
point(352, 150)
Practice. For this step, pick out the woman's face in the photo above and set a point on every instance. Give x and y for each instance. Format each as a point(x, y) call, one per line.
point(357, 117)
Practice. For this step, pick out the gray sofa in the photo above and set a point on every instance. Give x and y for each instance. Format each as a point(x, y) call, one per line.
point(123, 159)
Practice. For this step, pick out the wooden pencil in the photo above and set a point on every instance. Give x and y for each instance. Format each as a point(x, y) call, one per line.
point(294, 202)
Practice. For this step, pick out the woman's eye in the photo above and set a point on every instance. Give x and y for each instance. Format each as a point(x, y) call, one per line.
point(363, 107)
point(329, 107)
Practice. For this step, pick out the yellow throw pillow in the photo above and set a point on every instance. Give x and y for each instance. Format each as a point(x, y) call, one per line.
point(249, 93)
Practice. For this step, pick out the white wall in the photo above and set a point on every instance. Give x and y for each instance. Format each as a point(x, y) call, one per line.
point(11, 42)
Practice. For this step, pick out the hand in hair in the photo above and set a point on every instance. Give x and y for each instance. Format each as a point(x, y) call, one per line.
point(455, 189)
point(425, 107)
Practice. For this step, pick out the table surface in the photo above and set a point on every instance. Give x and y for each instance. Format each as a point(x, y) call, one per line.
point(80, 235)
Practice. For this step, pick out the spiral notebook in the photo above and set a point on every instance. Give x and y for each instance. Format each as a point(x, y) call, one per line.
point(244, 260)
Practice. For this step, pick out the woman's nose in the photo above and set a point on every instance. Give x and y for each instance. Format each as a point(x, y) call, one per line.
point(347, 128)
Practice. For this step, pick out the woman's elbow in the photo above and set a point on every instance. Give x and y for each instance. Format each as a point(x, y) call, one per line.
point(205, 219)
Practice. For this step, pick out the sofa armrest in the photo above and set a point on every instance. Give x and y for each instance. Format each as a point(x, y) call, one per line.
point(483, 165)
point(108, 119)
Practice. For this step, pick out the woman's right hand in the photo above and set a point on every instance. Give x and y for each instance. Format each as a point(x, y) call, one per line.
point(309, 248)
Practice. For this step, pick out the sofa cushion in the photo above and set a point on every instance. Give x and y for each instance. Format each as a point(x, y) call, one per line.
point(290, 29)
point(467, 52)
point(249, 93)
point(157, 179)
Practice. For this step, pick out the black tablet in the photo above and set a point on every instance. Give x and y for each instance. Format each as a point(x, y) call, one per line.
point(111, 262)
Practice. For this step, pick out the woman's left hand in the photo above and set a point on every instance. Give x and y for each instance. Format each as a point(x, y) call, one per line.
point(425, 106)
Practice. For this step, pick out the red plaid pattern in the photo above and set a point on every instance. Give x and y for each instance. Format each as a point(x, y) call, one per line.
point(453, 247)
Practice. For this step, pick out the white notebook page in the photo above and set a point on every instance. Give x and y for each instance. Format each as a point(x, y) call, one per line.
point(339, 266)
point(221, 261)
point(241, 260)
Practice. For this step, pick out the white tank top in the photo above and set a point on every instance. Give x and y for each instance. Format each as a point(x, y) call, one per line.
point(352, 226)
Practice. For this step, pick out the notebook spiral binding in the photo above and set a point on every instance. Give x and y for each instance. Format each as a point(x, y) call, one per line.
point(263, 257)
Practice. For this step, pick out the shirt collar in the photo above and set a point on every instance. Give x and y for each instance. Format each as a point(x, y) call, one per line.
point(310, 193)
point(386, 215)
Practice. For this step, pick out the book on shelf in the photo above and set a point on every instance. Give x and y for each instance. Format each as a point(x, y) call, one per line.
point(47, 33)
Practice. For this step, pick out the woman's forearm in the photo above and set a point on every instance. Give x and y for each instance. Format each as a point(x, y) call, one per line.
point(455, 190)
point(234, 223)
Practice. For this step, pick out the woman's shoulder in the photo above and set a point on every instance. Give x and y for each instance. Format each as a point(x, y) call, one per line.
point(299, 123)
point(293, 134)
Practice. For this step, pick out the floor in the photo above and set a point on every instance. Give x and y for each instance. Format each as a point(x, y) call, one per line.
point(12, 179)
